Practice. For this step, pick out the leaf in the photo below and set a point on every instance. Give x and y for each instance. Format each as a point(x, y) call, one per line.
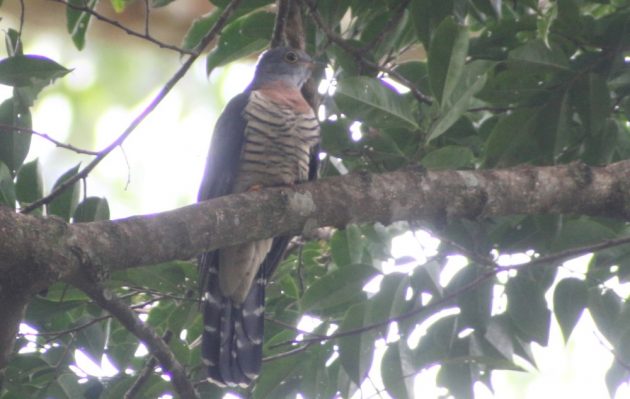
point(25, 70)
point(120, 5)
point(510, 141)
point(528, 309)
point(341, 286)
point(243, 37)
point(77, 21)
point(160, 3)
point(91, 209)
point(447, 55)
point(14, 143)
point(570, 298)
point(91, 339)
point(13, 42)
point(29, 186)
point(470, 84)
point(356, 350)
point(592, 100)
point(7, 189)
point(346, 246)
point(534, 54)
point(370, 100)
point(397, 370)
point(605, 307)
point(580, 232)
point(65, 203)
point(449, 157)
point(475, 304)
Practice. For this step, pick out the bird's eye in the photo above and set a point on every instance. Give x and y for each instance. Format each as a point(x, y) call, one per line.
point(290, 57)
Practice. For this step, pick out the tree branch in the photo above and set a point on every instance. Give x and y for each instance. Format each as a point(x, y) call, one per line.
point(144, 36)
point(56, 251)
point(156, 345)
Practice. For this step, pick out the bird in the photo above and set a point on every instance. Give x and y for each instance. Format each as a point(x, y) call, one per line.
point(266, 136)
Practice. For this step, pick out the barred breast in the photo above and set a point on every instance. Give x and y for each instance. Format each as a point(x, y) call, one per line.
point(278, 142)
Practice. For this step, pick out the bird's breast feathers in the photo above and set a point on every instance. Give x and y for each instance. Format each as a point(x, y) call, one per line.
point(280, 132)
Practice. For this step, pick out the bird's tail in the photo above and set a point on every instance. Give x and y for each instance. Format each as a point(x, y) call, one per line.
point(233, 333)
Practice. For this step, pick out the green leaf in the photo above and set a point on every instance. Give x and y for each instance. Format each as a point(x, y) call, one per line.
point(340, 286)
point(592, 100)
point(243, 37)
point(25, 70)
point(510, 141)
point(356, 350)
point(616, 375)
point(160, 3)
point(370, 100)
point(570, 298)
point(527, 308)
point(605, 307)
point(7, 189)
point(120, 5)
point(13, 42)
point(91, 339)
point(77, 21)
point(164, 277)
point(471, 82)
point(14, 143)
point(65, 203)
point(347, 246)
point(29, 186)
point(475, 304)
point(397, 370)
point(447, 55)
point(449, 157)
point(535, 54)
point(91, 209)
point(579, 232)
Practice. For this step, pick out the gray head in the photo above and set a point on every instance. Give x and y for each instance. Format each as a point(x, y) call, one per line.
point(283, 64)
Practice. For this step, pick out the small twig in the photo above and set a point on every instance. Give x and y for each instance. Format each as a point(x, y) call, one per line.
point(22, 15)
point(357, 54)
point(144, 375)
point(154, 103)
point(432, 305)
point(294, 328)
point(278, 37)
point(568, 253)
point(47, 137)
point(291, 352)
point(391, 24)
point(147, 12)
point(130, 32)
point(156, 345)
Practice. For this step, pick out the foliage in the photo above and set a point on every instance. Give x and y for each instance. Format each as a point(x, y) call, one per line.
point(445, 84)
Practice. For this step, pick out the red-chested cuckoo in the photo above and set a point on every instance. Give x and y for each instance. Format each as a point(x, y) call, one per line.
point(266, 136)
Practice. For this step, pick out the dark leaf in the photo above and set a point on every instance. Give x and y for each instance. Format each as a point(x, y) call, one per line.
point(372, 101)
point(29, 186)
point(356, 350)
point(14, 143)
point(448, 51)
point(65, 203)
point(91, 209)
point(527, 308)
point(77, 21)
point(26, 70)
point(570, 298)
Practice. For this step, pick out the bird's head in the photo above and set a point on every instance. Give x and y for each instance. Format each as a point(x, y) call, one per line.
point(284, 64)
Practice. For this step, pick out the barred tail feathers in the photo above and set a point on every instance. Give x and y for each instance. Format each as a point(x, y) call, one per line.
point(233, 333)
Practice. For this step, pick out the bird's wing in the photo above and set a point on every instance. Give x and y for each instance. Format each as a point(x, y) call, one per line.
point(225, 150)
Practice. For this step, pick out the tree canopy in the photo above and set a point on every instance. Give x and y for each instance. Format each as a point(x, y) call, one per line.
point(501, 129)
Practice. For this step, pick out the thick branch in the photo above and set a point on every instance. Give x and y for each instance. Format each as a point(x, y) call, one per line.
point(54, 250)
